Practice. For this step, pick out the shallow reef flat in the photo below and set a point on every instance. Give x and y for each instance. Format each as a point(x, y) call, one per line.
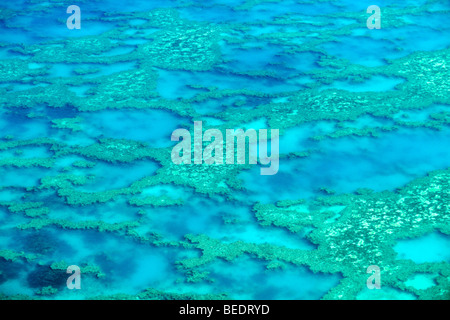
point(87, 178)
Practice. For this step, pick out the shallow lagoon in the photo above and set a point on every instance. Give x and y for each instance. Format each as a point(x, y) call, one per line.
point(383, 163)
point(432, 247)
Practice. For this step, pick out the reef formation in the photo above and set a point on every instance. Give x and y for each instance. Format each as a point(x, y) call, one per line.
point(85, 153)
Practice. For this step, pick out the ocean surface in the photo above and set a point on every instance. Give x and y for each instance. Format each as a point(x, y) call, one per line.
point(87, 178)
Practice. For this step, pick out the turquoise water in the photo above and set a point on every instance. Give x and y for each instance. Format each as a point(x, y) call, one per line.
point(384, 163)
point(85, 151)
point(428, 248)
point(421, 281)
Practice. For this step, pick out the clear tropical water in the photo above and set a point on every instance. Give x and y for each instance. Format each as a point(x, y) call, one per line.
point(86, 177)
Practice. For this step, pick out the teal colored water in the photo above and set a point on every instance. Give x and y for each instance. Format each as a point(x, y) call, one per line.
point(134, 125)
point(432, 247)
point(344, 166)
point(376, 83)
point(87, 177)
point(218, 220)
point(288, 283)
point(385, 293)
point(421, 281)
